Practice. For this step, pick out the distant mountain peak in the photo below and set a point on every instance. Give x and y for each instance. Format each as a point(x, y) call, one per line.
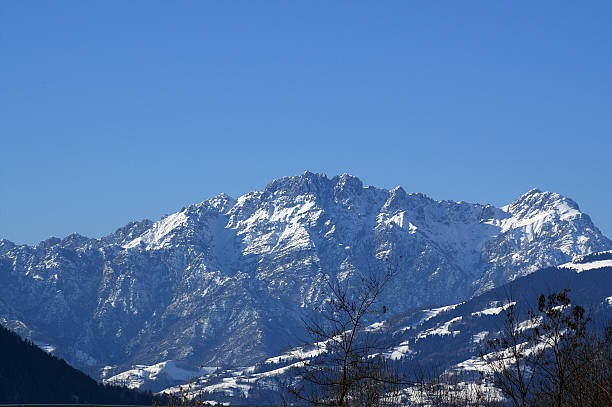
point(227, 280)
point(222, 202)
point(347, 180)
point(306, 183)
point(533, 191)
point(398, 190)
point(536, 200)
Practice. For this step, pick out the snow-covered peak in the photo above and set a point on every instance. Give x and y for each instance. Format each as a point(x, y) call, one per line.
point(346, 187)
point(397, 197)
point(160, 234)
point(537, 201)
point(227, 281)
point(221, 203)
point(535, 209)
point(49, 242)
point(290, 187)
point(6, 245)
point(74, 240)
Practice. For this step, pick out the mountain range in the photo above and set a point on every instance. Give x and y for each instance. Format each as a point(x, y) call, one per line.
point(227, 282)
point(447, 339)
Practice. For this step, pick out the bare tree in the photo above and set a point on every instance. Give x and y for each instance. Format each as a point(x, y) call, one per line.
point(560, 333)
point(509, 357)
point(348, 367)
point(445, 389)
point(552, 359)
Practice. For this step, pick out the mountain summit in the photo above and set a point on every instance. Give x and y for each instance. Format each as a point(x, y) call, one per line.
point(227, 281)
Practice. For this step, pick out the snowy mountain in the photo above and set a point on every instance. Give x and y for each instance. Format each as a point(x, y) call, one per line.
point(447, 338)
point(226, 282)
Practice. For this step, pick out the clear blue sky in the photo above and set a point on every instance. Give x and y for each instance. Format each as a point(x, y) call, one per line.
point(112, 111)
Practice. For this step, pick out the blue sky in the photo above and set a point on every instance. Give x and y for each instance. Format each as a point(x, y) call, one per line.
point(115, 111)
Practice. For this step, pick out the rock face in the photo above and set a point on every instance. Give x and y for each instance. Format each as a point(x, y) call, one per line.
point(226, 282)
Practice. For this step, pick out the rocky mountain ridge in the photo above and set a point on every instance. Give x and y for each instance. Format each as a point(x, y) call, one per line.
point(226, 281)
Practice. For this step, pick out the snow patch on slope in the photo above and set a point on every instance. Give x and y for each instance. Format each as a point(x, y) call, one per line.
point(159, 234)
point(580, 267)
point(141, 374)
point(442, 329)
point(433, 312)
point(493, 311)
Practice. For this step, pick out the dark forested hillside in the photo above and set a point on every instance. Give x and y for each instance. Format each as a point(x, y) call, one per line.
point(30, 375)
